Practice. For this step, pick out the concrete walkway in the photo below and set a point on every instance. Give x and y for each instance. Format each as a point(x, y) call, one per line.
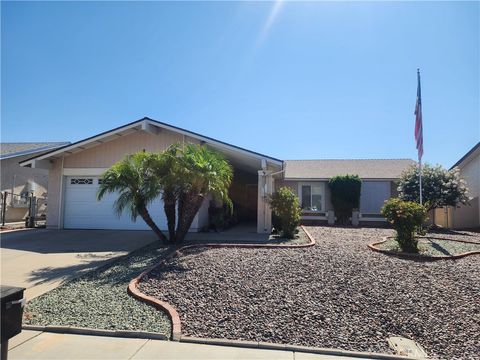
point(41, 345)
point(41, 259)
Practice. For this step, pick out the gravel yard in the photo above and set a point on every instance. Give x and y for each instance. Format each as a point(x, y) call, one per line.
point(99, 299)
point(337, 294)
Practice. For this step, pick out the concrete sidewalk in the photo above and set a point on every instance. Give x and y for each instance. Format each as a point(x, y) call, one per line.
point(42, 345)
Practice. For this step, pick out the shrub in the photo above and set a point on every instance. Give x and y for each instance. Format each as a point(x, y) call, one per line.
point(440, 187)
point(345, 195)
point(285, 206)
point(406, 218)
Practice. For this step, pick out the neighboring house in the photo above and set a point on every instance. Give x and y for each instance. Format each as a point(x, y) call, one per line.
point(21, 181)
point(309, 180)
point(464, 216)
point(75, 170)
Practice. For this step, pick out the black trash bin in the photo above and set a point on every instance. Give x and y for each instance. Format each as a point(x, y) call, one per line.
point(11, 315)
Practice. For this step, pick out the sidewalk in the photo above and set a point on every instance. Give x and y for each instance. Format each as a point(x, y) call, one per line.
point(41, 345)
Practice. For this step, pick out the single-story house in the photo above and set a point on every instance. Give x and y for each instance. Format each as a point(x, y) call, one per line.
point(309, 180)
point(20, 182)
point(75, 169)
point(464, 216)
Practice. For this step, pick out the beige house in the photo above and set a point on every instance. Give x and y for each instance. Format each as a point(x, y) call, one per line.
point(309, 180)
point(20, 182)
point(75, 170)
point(464, 216)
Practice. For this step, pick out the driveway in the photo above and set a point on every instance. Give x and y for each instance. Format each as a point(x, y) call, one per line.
point(41, 259)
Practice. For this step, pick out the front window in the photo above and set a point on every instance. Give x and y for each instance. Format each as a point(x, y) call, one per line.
point(312, 197)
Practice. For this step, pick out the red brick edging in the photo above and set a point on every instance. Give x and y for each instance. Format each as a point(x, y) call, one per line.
point(169, 309)
point(373, 247)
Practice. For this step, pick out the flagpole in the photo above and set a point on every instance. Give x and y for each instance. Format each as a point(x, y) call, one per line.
point(419, 135)
point(420, 174)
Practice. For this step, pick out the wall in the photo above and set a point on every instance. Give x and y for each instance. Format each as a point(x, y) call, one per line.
point(103, 156)
point(106, 154)
point(468, 216)
point(14, 179)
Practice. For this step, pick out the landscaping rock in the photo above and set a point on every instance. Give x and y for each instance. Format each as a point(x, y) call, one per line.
point(99, 299)
point(337, 294)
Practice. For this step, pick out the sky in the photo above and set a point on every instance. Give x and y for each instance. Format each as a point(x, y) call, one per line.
point(293, 80)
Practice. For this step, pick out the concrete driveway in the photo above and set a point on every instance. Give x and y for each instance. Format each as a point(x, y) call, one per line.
point(41, 259)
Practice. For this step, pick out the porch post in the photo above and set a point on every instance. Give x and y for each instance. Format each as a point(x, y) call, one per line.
point(264, 212)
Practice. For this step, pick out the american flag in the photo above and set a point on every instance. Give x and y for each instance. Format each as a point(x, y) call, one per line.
point(418, 120)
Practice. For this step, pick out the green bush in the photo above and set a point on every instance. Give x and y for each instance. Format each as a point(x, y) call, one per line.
point(406, 218)
point(286, 208)
point(345, 195)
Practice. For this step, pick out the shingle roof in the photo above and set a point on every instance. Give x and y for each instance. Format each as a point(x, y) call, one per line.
point(365, 168)
point(8, 150)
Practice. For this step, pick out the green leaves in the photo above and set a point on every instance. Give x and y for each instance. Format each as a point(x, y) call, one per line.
point(345, 192)
point(182, 174)
point(406, 218)
point(440, 187)
point(286, 207)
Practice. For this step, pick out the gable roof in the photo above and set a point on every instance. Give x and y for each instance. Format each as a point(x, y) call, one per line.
point(10, 150)
point(464, 157)
point(146, 124)
point(364, 168)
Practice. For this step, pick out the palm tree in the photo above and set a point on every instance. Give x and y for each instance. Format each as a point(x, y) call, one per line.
point(200, 171)
point(138, 185)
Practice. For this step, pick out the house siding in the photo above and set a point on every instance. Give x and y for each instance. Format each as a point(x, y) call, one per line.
point(468, 216)
point(103, 156)
point(106, 154)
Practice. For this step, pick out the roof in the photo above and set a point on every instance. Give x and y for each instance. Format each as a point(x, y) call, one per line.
point(10, 150)
point(364, 168)
point(464, 157)
point(146, 124)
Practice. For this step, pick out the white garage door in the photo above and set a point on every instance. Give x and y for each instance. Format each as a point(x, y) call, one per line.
point(372, 196)
point(83, 211)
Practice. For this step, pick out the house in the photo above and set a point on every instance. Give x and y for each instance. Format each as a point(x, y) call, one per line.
point(309, 180)
point(464, 216)
point(75, 170)
point(20, 182)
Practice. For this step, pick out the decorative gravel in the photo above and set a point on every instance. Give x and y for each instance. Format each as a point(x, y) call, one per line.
point(434, 247)
point(99, 299)
point(337, 294)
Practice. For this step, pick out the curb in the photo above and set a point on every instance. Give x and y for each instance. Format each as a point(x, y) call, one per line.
point(169, 309)
point(294, 348)
point(373, 247)
point(96, 332)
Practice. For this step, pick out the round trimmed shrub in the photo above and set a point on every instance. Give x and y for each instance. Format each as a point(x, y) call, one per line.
point(406, 218)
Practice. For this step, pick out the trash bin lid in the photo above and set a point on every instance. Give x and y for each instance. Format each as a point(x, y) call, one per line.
point(6, 290)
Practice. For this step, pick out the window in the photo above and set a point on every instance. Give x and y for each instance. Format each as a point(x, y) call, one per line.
point(81, 181)
point(311, 196)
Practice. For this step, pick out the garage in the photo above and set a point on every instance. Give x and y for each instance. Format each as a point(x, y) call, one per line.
point(83, 211)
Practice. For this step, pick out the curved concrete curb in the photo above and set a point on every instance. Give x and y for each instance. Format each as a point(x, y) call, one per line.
point(373, 247)
point(295, 348)
point(170, 310)
point(96, 332)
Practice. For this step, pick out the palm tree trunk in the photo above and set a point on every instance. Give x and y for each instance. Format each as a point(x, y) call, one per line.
point(143, 212)
point(169, 205)
point(189, 205)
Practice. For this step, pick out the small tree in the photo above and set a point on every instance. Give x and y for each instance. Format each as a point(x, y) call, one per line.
point(440, 187)
point(137, 185)
point(286, 207)
point(345, 195)
point(406, 218)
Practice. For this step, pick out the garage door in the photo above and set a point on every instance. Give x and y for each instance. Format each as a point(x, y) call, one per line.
point(83, 211)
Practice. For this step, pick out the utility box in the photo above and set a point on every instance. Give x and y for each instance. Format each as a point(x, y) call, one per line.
point(12, 302)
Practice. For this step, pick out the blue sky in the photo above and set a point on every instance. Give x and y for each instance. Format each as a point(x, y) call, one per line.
point(292, 80)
